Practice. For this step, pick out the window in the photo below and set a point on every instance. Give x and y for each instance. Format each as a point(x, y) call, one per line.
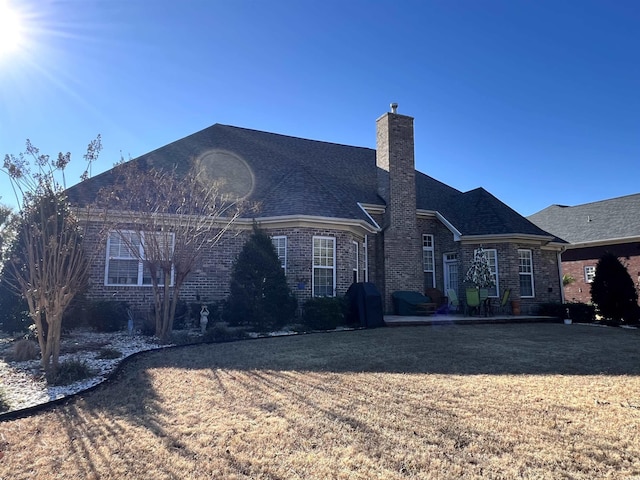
point(589, 273)
point(125, 252)
point(492, 259)
point(324, 267)
point(354, 260)
point(280, 242)
point(428, 263)
point(525, 269)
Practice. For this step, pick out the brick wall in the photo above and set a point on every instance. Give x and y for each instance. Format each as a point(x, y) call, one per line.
point(210, 279)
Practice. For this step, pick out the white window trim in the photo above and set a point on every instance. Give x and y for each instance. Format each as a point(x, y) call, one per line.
point(431, 249)
point(356, 249)
point(314, 266)
point(286, 245)
point(528, 274)
point(140, 262)
point(586, 275)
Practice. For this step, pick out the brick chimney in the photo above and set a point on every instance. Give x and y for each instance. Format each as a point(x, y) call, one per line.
point(396, 185)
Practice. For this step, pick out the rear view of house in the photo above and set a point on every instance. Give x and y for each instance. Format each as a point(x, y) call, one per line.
point(340, 214)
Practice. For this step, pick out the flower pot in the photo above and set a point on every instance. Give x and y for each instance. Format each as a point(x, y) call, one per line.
point(567, 321)
point(515, 307)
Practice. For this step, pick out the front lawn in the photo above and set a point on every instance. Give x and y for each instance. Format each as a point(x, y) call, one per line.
point(471, 401)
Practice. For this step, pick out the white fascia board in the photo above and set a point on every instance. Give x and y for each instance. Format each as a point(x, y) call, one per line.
point(356, 226)
point(508, 238)
point(364, 209)
point(435, 214)
point(603, 243)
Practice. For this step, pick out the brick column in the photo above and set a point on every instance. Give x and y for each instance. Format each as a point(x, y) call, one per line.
point(396, 183)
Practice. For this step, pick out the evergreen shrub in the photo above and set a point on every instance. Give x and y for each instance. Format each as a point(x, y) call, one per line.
point(324, 313)
point(259, 295)
point(613, 291)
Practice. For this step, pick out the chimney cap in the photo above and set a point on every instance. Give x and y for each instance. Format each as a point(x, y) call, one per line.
point(394, 107)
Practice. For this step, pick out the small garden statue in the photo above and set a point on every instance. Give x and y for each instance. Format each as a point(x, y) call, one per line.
point(204, 318)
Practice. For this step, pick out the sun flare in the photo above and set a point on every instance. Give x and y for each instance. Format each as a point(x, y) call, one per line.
point(11, 29)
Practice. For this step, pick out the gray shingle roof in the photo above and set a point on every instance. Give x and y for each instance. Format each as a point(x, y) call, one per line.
point(612, 219)
point(295, 176)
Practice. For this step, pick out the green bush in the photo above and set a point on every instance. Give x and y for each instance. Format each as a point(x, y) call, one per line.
point(71, 371)
point(107, 315)
point(578, 312)
point(14, 311)
point(220, 333)
point(324, 313)
point(259, 295)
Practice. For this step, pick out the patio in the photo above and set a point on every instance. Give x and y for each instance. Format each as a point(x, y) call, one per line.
point(449, 319)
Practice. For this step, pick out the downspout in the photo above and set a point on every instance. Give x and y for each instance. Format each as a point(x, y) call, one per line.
point(366, 258)
point(559, 254)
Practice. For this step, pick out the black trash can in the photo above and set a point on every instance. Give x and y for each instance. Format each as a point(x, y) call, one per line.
point(365, 305)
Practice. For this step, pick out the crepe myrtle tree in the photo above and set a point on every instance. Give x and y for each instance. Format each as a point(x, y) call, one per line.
point(166, 219)
point(45, 263)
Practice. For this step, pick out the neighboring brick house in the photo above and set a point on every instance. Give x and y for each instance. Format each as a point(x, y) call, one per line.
point(340, 213)
point(592, 229)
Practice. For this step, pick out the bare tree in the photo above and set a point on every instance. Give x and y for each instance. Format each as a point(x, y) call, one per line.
point(166, 219)
point(47, 264)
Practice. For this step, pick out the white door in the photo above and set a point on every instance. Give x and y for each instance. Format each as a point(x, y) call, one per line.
point(450, 272)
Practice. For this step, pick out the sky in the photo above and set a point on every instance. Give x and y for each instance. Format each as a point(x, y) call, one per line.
point(537, 102)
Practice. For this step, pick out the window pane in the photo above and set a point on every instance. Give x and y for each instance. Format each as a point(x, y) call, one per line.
point(280, 243)
point(492, 258)
point(122, 272)
point(427, 259)
point(526, 286)
point(323, 282)
point(323, 252)
point(146, 276)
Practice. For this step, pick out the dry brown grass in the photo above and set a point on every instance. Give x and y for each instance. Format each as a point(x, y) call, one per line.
point(508, 401)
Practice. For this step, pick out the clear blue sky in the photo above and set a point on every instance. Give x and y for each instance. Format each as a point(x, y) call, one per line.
point(538, 102)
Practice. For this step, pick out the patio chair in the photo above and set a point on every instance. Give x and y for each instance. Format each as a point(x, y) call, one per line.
point(473, 300)
point(504, 300)
point(454, 303)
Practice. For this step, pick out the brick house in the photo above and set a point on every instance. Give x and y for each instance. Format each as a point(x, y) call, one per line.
point(339, 214)
point(591, 230)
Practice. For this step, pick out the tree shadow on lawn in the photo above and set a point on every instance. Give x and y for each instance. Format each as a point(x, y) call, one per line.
point(134, 415)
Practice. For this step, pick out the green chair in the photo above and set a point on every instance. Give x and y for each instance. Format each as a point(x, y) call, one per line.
point(473, 300)
point(504, 300)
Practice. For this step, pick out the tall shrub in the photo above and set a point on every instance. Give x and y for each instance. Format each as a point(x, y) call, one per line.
point(613, 291)
point(259, 294)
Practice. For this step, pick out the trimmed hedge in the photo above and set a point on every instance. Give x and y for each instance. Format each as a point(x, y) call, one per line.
point(578, 312)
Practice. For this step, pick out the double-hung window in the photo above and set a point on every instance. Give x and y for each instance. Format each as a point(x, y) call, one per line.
point(280, 243)
point(525, 269)
point(324, 266)
point(492, 260)
point(589, 273)
point(428, 261)
point(127, 255)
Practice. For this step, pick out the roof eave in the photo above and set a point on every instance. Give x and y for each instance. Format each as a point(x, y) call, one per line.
point(602, 243)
